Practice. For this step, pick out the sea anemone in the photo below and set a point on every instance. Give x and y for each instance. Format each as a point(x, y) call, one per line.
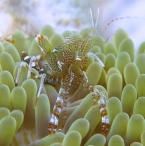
point(122, 81)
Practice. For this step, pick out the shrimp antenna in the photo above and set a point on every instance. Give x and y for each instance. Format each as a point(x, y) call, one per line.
point(94, 24)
